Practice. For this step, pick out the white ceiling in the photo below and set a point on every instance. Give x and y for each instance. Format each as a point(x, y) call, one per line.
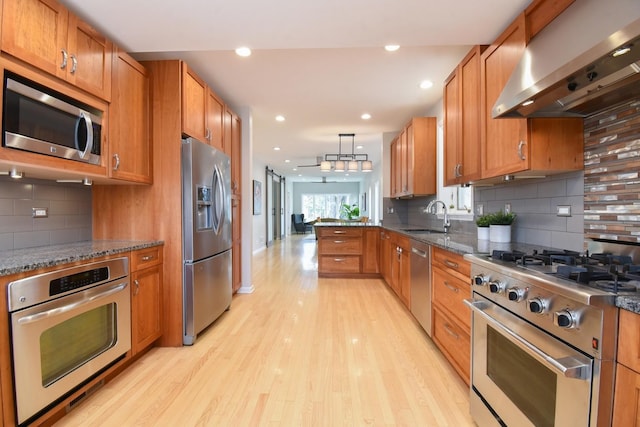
point(321, 64)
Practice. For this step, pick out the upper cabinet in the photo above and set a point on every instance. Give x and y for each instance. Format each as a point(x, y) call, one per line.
point(129, 126)
point(44, 34)
point(523, 147)
point(462, 121)
point(203, 113)
point(413, 159)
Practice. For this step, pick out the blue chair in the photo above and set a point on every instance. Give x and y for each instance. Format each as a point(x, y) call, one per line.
point(299, 224)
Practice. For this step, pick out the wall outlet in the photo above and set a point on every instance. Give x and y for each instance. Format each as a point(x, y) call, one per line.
point(390, 210)
point(39, 212)
point(480, 209)
point(507, 208)
point(564, 210)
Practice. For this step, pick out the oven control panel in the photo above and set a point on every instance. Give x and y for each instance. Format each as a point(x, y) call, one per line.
point(553, 310)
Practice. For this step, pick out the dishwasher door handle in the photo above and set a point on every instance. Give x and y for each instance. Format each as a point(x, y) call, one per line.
point(419, 252)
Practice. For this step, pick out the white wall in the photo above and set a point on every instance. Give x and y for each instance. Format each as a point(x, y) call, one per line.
point(259, 222)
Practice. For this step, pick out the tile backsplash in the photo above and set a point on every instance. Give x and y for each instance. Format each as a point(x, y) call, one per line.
point(69, 213)
point(612, 184)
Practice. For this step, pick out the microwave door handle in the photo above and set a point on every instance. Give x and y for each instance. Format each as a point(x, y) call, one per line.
point(89, 128)
point(567, 367)
point(68, 307)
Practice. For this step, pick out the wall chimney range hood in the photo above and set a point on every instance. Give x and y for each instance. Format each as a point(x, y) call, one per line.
point(576, 65)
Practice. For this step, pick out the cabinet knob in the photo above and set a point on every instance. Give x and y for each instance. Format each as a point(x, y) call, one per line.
point(147, 257)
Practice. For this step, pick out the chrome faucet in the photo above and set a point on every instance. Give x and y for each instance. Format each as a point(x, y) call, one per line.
point(446, 225)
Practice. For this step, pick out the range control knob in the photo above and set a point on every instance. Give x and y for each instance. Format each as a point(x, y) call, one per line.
point(496, 287)
point(516, 294)
point(480, 279)
point(565, 319)
point(537, 305)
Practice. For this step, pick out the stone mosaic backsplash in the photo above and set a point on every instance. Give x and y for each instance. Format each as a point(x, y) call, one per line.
point(611, 168)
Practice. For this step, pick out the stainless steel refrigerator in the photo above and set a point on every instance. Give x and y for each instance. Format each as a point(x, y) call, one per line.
point(206, 235)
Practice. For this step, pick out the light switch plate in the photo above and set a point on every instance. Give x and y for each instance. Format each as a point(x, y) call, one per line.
point(39, 212)
point(564, 210)
point(480, 209)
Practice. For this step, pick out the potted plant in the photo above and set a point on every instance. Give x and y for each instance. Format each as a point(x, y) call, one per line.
point(349, 211)
point(500, 226)
point(483, 222)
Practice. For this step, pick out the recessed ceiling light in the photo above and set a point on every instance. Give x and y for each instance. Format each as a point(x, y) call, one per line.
point(391, 47)
point(287, 161)
point(426, 84)
point(295, 169)
point(359, 147)
point(365, 116)
point(243, 51)
point(276, 148)
point(280, 118)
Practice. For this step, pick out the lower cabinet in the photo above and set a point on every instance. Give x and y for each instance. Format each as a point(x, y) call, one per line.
point(345, 251)
point(146, 297)
point(395, 255)
point(626, 407)
point(451, 318)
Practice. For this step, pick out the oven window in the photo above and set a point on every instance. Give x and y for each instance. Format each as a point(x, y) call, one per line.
point(530, 385)
point(70, 344)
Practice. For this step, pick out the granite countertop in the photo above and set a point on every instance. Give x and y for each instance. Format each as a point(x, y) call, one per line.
point(629, 303)
point(21, 260)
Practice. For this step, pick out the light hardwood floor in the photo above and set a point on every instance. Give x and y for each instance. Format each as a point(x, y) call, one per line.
point(299, 351)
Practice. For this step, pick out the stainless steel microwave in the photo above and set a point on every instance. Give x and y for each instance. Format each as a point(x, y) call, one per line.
point(41, 120)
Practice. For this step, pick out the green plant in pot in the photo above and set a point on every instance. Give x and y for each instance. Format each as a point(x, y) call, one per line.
point(483, 222)
point(500, 226)
point(349, 211)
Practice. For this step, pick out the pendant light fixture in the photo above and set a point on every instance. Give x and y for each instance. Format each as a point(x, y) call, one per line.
point(344, 161)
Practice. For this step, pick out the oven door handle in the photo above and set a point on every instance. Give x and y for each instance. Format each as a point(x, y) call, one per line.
point(91, 297)
point(568, 367)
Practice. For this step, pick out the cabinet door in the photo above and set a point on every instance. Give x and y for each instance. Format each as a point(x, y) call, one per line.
point(626, 406)
point(394, 172)
point(370, 250)
point(215, 119)
point(470, 117)
point(404, 276)
point(505, 141)
point(146, 307)
point(236, 155)
point(35, 31)
point(452, 122)
point(385, 257)
point(194, 105)
point(236, 237)
point(130, 147)
point(403, 157)
point(228, 130)
point(90, 59)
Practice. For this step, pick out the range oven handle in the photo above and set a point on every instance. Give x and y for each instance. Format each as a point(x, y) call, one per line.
point(567, 367)
point(68, 307)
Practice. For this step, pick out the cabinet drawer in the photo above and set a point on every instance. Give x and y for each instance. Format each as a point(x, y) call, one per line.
point(340, 245)
point(338, 232)
point(452, 262)
point(629, 340)
point(454, 343)
point(450, 292)
point(144, 258)
point(339, 264)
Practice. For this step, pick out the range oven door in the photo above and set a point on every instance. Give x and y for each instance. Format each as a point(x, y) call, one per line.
point(59, 344)
point(524, 376)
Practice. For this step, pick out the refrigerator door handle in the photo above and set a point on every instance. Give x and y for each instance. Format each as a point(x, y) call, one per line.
point(218, 199)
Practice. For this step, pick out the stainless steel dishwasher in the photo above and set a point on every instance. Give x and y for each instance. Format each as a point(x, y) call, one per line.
point(421, 283)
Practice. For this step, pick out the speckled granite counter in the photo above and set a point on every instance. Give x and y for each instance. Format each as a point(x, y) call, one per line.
point(630, 303)
point(20, 260)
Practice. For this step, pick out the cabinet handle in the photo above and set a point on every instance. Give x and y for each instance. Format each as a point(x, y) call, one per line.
point(116, 157)
point(135, 282)
point(207, 134)
point(457, 172)
point(520, 151)
point(451, 264)
point(339, 232)
point(447, 328)
point(338, 241)
point(147, 257)
point(74, 64)
point(339, 259)
point(65, 56)
point(452, 288)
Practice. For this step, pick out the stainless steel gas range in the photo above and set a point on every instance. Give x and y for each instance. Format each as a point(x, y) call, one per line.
point(544, 334)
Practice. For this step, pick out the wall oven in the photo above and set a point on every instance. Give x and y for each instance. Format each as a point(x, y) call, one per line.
point(44, 121)
point(66, 326)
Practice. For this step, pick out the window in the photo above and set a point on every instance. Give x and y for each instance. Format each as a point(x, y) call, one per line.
point(323, 205)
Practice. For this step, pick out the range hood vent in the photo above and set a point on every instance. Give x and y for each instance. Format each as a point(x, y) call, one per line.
point(573, 67)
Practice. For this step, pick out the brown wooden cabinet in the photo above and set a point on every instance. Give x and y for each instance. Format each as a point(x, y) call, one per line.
point(44, 34)
point(384, 255)
point(413, 159)
point(129, 127)
point(626, 403)
point(462, 121)
point(395, 258)
point(146, 297)
point(203, 112)
point(525, 147)
point(342, 251)
point(451, 318)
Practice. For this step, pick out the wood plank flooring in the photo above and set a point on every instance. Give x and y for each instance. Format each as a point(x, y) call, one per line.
point(299, 351)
